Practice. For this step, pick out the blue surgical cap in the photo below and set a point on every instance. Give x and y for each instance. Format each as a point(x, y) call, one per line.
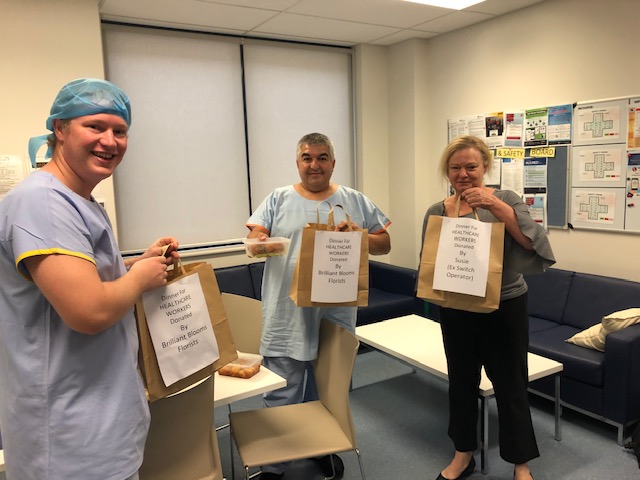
point(80, 97)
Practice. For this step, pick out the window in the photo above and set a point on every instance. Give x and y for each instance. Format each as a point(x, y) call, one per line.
point(215, 121)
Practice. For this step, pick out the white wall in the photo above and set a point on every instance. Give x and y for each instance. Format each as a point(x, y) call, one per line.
point(550, 53)
point(553, 52)
point(43, 45)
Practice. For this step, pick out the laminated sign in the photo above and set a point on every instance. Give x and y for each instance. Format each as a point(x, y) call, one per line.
point(336, 266)
point(183, 331)
point(462, 260)
point(180, 328)
point(333, 266)
point(461, 263)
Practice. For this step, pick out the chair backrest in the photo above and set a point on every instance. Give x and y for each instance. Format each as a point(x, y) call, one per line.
point(245, 318)
point(337, 349)
point(182, 441)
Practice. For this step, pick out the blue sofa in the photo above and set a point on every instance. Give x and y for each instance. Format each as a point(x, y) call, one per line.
point(605, 385)
point(391, 289)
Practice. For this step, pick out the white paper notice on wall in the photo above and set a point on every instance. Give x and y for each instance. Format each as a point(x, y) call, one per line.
point(180, 328)
point(462, 260)
point(336, 267)
point(13, 169)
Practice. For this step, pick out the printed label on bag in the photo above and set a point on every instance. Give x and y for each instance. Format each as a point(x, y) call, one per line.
point(180, 328)
point(336, 267)
point(462, 260)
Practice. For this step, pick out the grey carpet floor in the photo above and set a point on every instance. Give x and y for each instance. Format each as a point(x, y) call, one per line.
point(401, 421)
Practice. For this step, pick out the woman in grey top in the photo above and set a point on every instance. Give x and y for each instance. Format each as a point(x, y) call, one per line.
point(498, 340)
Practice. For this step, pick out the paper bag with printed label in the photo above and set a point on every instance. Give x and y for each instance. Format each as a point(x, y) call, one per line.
point(183, 329)
point(333, 267)
point(461, 264)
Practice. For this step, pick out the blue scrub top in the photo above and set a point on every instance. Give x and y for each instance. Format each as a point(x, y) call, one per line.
point(288, 330)
point(71, 405)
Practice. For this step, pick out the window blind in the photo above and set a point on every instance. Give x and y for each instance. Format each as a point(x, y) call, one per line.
point(215, 122)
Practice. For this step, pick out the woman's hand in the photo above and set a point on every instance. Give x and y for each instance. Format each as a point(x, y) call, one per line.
point(479, 197)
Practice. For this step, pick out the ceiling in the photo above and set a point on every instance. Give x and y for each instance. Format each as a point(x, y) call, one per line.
point(335, 22)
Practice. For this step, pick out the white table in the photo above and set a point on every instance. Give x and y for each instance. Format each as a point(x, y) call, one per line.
point(227, 390)
point(418, 341)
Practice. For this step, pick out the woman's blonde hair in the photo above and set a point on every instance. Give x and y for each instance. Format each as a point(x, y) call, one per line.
point(462, 143)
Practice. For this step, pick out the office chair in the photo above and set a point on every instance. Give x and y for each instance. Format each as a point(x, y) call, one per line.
point(245, 319)
point(306, 430)
point(182, 441)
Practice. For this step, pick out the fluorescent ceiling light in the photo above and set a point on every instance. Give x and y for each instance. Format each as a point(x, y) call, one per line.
point(453, 4)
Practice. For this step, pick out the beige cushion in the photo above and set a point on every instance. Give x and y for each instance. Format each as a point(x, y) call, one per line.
point(592, 337)
point(619, 320)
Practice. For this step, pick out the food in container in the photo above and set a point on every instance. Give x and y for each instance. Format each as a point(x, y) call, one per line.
point(245, 366)
point(269, 247)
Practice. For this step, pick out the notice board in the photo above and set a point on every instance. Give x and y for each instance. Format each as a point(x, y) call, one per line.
point(576, 165)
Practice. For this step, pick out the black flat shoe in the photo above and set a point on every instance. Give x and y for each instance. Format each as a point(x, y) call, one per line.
point(325, 466)
point(270, 476)
point(465, 473)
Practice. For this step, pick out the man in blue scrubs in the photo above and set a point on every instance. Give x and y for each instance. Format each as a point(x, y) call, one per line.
point(72, 404)
point(290, 333)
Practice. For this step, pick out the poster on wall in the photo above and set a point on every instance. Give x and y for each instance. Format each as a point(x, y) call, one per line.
point(13, 169)
point(598, 166)
point(535, 175)
point(633, 128)
point(537, 205)
point(488, 127)
point(457, 128)
point(514, 129)
point(535, 127)
point(469, 125)
point(493, 175)
point(560, 120)
point(598, 208)
point(632, 211)
point(494, 129)
point(600, 122)
point(513, 175)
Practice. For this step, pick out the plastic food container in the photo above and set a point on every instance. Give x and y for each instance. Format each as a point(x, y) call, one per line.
point(270, 247)
point(245, 366)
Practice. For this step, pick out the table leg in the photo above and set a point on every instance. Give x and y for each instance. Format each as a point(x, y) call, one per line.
point(558, 410)
point(484, 435)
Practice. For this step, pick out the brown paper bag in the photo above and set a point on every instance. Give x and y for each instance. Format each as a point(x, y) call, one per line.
point(147, 360)
point(301, 282)
point(460, 301)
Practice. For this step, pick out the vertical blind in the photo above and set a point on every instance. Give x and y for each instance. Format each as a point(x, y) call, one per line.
point(215, 122)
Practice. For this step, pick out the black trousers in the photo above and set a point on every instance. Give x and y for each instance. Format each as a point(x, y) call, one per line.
point(498, 340)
